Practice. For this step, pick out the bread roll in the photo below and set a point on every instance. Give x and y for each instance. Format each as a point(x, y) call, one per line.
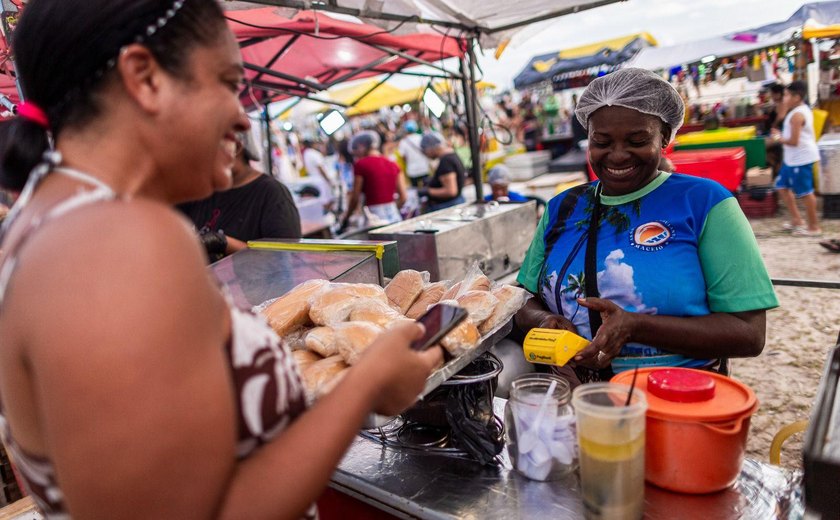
point(431, 294)
point(374, 311)
point(333, 304)
point(353, 338)
point(462, 338)
point(479, 283)
point(405, 287)
point(305, 358)
point(451, 293)
point(479, 305)
point(397, 322)
point(331, 383)
point(511, 299)
point(291, 311)
point(322, 341)
point(318, 377)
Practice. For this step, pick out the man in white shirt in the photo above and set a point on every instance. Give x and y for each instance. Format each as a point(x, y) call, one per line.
point(416, 162)
point(799, 154)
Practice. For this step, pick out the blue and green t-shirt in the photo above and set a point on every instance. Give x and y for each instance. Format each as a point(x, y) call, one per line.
point(680, 246)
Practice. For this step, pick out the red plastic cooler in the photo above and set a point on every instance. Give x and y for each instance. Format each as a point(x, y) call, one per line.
point(724, 165)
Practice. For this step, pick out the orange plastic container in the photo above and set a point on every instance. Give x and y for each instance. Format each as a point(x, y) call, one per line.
point(697, 425)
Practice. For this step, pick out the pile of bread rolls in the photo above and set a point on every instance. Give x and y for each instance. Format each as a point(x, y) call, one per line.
point(329, 325)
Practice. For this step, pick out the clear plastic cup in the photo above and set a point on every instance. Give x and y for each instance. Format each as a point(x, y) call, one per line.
point(546, 451)
point(611, 440)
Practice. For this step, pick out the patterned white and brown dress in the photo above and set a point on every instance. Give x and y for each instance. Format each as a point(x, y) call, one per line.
point(265, 376)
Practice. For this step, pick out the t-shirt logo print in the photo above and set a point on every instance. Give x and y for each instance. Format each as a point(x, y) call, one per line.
point(652, 236)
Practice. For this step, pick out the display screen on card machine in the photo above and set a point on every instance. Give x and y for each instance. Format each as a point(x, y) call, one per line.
point(438, 321)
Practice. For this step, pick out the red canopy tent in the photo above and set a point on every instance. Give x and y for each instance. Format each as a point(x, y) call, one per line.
point(312, 51)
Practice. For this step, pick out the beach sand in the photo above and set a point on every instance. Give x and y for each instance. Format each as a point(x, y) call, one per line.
point(799, 335)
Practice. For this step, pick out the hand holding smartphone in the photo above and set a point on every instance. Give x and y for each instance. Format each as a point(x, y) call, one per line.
point(438, 321)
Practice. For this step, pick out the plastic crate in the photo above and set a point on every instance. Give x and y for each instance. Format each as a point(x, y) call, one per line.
point(758, 202)
point(724, 165)
point(831, 206)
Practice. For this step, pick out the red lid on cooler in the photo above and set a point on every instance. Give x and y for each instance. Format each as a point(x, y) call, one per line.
point(681, 386)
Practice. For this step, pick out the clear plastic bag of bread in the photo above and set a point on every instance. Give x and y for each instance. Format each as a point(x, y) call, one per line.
point(305, 358)
point(479, 305)
point(321, 340)
point(432, 294)
point(296, 340)
point(463, 338)
point(406, 286)
point(335, 301)
point(374, 311)
point(291, 311)
point(510, 300)
point(352, 338)
point(474, 280)
point(321, 376)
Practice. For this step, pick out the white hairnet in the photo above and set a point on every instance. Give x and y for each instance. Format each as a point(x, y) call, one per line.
point(636, 89)
point(498, 174)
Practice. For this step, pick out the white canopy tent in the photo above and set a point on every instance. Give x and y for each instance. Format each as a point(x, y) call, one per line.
point(493, 21)
point(656, 58)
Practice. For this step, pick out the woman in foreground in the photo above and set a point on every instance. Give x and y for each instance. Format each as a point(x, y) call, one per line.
point(130, 387)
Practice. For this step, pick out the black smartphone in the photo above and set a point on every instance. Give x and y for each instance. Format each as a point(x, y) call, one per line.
point(438, 320)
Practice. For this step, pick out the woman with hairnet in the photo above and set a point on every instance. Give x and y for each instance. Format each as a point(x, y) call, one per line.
point(656, 268)
point(378, 179)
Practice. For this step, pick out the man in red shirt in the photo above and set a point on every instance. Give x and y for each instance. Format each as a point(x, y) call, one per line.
point(378, 179)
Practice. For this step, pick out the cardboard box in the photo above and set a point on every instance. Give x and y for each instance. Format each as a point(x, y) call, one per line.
point(759, 176)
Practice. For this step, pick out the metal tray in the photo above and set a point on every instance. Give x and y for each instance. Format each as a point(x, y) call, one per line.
point(448, 370)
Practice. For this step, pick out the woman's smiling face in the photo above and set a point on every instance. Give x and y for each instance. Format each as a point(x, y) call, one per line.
point(625, 147)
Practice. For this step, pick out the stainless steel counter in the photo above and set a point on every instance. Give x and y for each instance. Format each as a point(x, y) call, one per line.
point(414, 484)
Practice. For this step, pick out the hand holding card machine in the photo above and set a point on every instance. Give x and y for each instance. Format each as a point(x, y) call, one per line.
point(438, 320)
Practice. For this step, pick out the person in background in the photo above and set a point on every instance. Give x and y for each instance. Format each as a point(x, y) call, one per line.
point(134, 388)
point(416, 162)
point(256, 206)
point(378, 179)
point(389, 146)
point(657, 285)
point(444, 189)
point(778, 110)
point(498, 177)
point(799, 153)
point(317, 172)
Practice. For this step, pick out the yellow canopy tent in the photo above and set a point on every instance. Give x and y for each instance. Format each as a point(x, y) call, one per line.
point(615, 44)
point(384, 95)
point(828, 31)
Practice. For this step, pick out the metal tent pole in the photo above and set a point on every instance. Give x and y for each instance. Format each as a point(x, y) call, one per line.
point(471, 105)
point(268, 158)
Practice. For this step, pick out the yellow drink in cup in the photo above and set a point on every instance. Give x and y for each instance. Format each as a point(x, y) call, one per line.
point(611, 437)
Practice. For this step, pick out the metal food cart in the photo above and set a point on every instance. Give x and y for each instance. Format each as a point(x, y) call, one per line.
point(447, 242)
point(407, 483)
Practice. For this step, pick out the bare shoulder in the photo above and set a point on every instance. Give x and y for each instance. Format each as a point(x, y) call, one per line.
point(129, 261)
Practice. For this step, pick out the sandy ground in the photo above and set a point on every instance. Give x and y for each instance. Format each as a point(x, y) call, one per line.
point(799, 334)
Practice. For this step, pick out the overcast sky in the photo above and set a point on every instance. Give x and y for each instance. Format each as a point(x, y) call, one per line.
point(669, 21)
